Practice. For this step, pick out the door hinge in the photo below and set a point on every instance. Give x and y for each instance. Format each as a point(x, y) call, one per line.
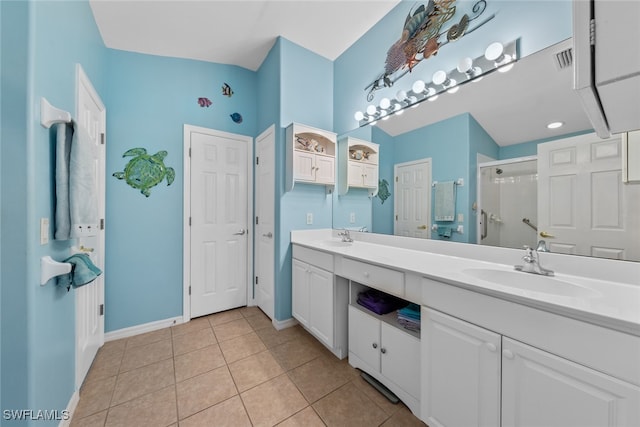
point(592, 32)
point(396, 179)
point(256, 280)
point(396, 217)
point(101, 309)
point(189, 289)
point(257, 160)
point(101, 223)
point(189, 151)
point(102, 138)
point(189, 221)
point(257, 220)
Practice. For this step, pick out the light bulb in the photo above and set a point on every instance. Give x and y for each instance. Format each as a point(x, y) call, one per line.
point(418, 86)
point(385, 103)
point(494, 51)
point(371, 110)
point(439, 77)
point(401, 95)
point(358, 115)
point(465, 66)
point(555, 125)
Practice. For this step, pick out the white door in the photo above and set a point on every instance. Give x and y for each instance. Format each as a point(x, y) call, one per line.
point(265, 228)
point(325, 169)
point(460, 372)
point(541, 389)
point(400, 358)
point(304, 166)
point(364, 339)
point(413, 199)
point(584, 208)
point(219, 212)
point(91, 114)
point(370, 175)
point(354, 174)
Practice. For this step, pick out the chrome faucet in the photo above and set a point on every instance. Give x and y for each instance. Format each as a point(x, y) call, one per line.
point(346, 236)
point(542, 246)
point(532, 263)
point(363, 229)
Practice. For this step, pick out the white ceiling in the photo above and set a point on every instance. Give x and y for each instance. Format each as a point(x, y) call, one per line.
point(512, 107)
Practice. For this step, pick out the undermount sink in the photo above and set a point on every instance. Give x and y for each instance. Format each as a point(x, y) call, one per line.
point(531, 282)
point(337, 243)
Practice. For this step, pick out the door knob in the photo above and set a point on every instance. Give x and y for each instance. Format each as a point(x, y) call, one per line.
point(240, 233)
point(545, 234)
point(422, 227)
point(268, 235)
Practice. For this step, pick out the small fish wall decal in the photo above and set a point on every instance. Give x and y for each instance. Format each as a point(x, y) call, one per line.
point(204, 102)
point(236, 117)
point(226, 90)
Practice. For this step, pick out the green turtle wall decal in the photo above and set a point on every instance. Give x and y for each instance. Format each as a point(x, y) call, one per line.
point(145, 171)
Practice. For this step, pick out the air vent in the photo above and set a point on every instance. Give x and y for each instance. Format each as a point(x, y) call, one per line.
point(564, 59)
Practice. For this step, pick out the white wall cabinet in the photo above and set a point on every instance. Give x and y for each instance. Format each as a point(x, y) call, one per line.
point(357, 165)
point(310, 156)
point(318, 302)
point(386, 352)
point(494, 377)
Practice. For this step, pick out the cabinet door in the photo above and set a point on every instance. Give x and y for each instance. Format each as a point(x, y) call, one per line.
point(303, 166)
point(370, 175)
point(300, 291)
point(400, 358)
point(320, 303)
point(355, 174)
point(541, 389)
point(364, 338)
point(460, 372)
point(325, 169)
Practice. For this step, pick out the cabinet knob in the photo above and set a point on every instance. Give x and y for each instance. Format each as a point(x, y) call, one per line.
point(508, 354)
point(383, 350)
point(374, 345)
point(492, 347)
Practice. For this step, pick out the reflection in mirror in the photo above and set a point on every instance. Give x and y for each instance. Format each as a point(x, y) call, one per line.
point(503, 117)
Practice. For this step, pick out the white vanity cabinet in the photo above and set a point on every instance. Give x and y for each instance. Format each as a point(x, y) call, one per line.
point(460, 369)
point(379, 346)
point(495, 378)
point(310, 156)
point(318, 302)
point(357, 165)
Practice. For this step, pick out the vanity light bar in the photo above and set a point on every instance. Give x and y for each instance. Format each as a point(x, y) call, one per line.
point(496, 57)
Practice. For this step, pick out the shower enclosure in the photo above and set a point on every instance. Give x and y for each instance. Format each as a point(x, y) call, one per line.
point(508, 202)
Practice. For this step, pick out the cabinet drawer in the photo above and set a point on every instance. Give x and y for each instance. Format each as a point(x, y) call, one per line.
point(384, 279)
point(318, 258)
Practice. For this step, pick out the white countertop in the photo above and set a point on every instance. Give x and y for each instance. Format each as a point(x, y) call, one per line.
point(611, 304)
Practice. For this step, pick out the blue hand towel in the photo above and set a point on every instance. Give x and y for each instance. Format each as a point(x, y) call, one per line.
point(83, 271)
point(445, 201)
point(444, 231)
point(63, 153)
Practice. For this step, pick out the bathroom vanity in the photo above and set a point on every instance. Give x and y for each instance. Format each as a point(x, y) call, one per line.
point(496, 346)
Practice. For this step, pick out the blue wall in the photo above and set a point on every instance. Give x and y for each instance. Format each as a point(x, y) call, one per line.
point(383, 211)
point(42, 42)
point(148, 109)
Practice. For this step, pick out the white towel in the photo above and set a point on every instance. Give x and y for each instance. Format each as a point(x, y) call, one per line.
point(63, 151)
point(445, 201)
point(83, 201)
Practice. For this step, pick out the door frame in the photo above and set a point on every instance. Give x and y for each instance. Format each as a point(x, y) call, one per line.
point(186, 233)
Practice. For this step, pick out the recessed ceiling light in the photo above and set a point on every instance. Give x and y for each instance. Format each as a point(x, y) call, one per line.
point(555, 125)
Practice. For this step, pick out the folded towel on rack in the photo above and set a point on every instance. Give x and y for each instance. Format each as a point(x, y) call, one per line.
point(444, 231)
point(83, 201)
point(83, 271)
point(64, 133)
point(445, 201)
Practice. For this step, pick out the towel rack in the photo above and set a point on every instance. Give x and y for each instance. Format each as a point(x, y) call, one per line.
point(458, 229)
point(49, 115)
point(459, 182)
point(49, 268)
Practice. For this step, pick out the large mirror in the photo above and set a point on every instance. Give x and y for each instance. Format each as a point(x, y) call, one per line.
point(499, 122)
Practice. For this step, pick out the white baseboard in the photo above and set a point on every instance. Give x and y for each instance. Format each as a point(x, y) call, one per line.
point(141, 329)
point(71, 407)
point(283, 324)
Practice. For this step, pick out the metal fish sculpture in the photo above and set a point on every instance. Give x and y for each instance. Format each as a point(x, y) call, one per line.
point(204, 102)
point(236, 117)
point(226, 90)
point(422, 37)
